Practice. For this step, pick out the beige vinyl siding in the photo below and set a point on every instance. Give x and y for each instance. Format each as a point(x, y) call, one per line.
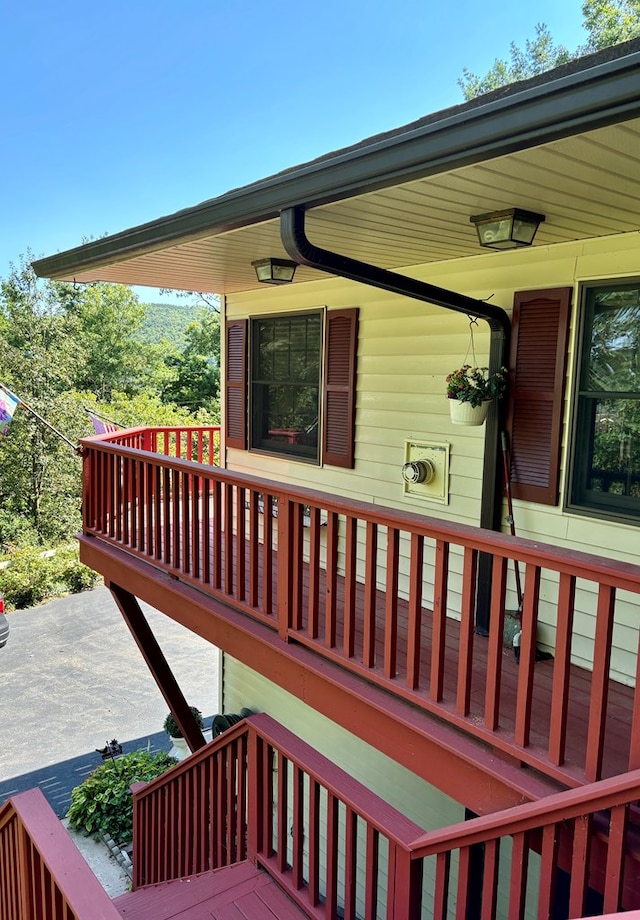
point(405, 350)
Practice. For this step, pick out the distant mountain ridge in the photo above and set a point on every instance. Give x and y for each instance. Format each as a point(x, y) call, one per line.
point(167, 321)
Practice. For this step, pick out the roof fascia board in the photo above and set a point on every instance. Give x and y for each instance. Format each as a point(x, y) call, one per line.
point(584, 100)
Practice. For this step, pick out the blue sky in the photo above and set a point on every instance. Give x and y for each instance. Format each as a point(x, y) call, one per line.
point(115, 114)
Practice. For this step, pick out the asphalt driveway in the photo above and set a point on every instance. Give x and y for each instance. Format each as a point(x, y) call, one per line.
point(72, 678)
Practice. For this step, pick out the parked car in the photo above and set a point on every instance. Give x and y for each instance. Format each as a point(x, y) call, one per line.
point(4, 624)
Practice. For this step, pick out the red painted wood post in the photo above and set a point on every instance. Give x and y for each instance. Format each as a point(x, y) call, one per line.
point(614, 876)
point(267, 557)
point(600, 682)
point(372, 864)
point(255, 770)
point(391, 603)
point(414, 625)
point(331, 581)
point(467, 624)
point(404, 884)
point(284, 586)
point(490, 878)
point(350, 572)
point(241, 548)
point(441, 888)
point(254, 563)
point(527, 654)
point(350, 863)
point(370, 589)
point(581, 858)
point(561, 668)
point(496, 633)
point(439, 620)
point(313, 600)
point(297, 829)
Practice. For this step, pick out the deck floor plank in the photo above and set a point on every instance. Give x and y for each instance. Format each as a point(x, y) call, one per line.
point(238, 892)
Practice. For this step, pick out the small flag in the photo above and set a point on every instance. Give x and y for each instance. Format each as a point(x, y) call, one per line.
point(101, 427)
point(9, 402)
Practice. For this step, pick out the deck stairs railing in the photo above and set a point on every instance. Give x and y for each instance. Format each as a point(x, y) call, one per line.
point(257, 792)
point(391, 595)
point(42, 874)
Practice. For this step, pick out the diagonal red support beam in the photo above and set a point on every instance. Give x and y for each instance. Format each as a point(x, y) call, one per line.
point(158, 665)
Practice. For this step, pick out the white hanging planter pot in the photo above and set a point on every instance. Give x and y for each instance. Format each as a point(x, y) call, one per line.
point(463, 413)
point(179, 749)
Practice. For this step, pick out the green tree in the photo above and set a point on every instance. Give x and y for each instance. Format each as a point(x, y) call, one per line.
point(39, 473)
point(108, 319)
point(607, 22)
point(197, 368)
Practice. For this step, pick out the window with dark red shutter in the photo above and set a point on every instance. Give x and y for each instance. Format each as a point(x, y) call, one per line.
point(296, 388)
point(537, 369)
point(341, 341)
point(236, 384)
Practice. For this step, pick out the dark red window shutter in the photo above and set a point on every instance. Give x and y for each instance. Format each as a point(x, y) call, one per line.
point(236, 384)
point(537, 368)
point(341, 343)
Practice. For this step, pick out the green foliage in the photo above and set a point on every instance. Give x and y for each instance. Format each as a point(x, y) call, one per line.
point(108, 319)
point(171, 726)
point(33, 576)
point(63, 348)
point(538, 55)
point(166, 323)
point(103, 805)
point(197, 369)
point(607, 22)
point(475, 385)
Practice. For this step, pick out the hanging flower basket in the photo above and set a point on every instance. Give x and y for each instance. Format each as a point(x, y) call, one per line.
point(463, 413)
point(470, 390)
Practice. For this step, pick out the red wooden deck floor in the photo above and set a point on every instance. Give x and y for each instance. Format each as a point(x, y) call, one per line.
point(262, 599)
point(239, 892)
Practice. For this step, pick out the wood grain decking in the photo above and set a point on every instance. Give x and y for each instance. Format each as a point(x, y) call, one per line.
point(239, 892)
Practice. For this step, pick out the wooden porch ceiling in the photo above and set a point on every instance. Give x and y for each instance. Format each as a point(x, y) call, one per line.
point(585, 185)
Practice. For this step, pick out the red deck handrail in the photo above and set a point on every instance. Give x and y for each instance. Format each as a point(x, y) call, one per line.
point(42, 873)
point(258, 792)
point(391, 596)
point(198, 443)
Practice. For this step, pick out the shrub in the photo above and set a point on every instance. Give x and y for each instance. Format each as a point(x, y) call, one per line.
point(103, 804)
point(171, 726)
point(32, 577)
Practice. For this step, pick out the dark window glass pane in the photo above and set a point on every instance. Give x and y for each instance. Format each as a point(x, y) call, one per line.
point(614, 459)
point(285, 384)
point(606, 462)
point(613, 358)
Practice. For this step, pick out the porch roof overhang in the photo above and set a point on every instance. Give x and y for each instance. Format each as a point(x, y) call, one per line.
point(565, 144)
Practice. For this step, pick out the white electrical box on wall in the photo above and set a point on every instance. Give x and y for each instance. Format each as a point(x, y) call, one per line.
point(425, 472)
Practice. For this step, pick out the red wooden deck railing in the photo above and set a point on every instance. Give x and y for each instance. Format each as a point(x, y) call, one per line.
point(201, 444)
point(258, 792)
point(42, 874)
point(589, 835)
point(391, 595)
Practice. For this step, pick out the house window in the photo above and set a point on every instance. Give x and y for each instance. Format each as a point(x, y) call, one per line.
point(292, 391)
point(285, 384)
point(605, 476)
